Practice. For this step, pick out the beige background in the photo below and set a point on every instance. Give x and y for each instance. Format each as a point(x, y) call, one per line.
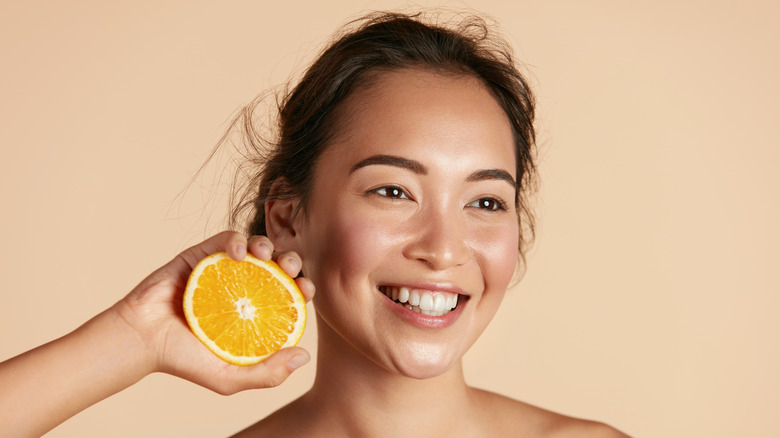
point(651, 300)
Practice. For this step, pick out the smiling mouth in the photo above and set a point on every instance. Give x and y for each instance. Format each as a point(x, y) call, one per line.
point(422, 301)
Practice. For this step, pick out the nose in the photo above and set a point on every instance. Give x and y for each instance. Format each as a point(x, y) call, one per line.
point(438, 239)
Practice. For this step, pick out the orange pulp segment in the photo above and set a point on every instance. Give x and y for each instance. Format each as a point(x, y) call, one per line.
point(243, 311)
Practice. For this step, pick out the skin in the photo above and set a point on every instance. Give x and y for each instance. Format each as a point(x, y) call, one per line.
point(438, 215)
point(143, 333)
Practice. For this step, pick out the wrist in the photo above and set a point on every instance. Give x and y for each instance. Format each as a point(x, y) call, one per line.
point(130, 342)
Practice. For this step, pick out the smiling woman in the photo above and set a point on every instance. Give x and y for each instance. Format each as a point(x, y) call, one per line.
point(401, 178)
point(413, 221)
point(398, 188)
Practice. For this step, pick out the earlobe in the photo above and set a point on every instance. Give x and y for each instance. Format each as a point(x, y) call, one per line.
point(280, 220)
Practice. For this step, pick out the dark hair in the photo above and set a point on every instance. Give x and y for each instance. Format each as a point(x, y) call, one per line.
point(383, 41)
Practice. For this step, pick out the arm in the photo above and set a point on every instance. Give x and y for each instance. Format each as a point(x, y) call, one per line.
point(143, 333)
point(47, 385)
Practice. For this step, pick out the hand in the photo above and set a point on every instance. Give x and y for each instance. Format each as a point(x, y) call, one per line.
point(154, 311)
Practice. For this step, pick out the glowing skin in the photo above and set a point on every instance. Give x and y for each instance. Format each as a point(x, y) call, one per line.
point(416, 191)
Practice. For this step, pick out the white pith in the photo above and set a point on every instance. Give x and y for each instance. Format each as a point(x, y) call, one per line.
point(245, 308)
point(427, 302)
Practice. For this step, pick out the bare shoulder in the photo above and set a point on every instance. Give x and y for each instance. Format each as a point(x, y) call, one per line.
point(509, 417)
point(587, 428)
point(285, 422)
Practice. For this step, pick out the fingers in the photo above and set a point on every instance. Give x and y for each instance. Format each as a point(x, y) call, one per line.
point(232, 242)
point(237, 250)
point(237, 247)
point(235, 244)
point(261, 247)
point(189, 359)
point(290, 262)
point(307, 288)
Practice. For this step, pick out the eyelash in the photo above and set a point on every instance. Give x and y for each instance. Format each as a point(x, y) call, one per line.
point(395, 192)
point(497, 204)
point(398, 193)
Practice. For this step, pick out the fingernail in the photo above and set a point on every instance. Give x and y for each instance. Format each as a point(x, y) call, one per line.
point(297, 361)
point(241, 251)
point(269, 252)
point(294, 263)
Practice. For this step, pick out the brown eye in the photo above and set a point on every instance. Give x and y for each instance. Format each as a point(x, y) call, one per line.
point(489, 204)
point(391, 192)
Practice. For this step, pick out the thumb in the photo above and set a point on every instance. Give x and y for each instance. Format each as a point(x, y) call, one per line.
point(273, 371)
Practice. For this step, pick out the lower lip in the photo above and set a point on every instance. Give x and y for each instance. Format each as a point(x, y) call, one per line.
point(423, 320)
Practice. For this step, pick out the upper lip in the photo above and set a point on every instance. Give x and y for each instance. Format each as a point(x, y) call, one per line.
point(425, 285)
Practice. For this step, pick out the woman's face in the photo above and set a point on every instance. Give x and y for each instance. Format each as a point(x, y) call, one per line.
point(411, 214)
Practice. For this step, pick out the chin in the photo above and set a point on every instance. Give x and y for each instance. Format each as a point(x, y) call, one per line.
point(425, 362)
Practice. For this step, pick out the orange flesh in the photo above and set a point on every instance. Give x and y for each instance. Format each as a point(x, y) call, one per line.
point(216, 311)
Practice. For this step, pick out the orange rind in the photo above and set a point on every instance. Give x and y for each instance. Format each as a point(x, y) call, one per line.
point(243, 311)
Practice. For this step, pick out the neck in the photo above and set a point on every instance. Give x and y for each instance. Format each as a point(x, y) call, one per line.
point(355, 395)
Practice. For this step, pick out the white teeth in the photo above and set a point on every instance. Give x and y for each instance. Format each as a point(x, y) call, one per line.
point(414, 298)
point(426, 301)
point(439, 303)
point(422, 301)
point(403, 295)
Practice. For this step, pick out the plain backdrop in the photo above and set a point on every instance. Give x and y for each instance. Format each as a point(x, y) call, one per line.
point(651, 300)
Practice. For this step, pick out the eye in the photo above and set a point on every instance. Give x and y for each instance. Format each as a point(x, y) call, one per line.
point(392, 192)
point(489, 204)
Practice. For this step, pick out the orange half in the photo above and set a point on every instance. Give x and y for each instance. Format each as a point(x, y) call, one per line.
point(243, 311)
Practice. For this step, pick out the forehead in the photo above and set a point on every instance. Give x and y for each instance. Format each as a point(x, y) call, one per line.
point(421, 112)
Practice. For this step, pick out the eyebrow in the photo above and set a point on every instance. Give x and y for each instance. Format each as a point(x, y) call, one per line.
point(495, 174)
point(419, 168)
point(391, 160)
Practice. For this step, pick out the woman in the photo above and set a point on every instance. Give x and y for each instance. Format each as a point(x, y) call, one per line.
point(398, 186)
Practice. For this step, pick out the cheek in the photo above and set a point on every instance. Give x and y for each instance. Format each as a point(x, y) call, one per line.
point(344, 249)
point(500, 256)
point(356, 246)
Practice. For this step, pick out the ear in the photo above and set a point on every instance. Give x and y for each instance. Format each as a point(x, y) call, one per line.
point(280, 218)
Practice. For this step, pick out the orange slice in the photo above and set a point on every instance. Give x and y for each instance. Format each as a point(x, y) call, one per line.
point(243, 311)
